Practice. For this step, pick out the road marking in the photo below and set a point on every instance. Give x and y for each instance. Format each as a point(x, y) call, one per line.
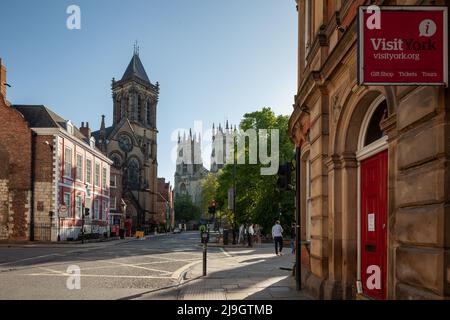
point(51, 270)
point(225, 252)
point(138, 267)
point(32, 258)
point(96, 276)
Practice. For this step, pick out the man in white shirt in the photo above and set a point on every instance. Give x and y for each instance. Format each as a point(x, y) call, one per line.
point(277, 234)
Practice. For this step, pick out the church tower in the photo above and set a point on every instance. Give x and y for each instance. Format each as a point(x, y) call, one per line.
point(221, 146)
point(131, 141)
point(190, 170)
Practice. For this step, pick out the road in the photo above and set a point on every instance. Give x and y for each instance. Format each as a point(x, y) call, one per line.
point(120, 271)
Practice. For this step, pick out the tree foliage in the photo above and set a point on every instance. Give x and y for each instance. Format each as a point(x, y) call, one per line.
point(209, 187)
point(258, 199)
point(185, 209)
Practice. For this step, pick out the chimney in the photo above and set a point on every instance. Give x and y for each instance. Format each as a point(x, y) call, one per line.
point(85, 130)
point(2, 79)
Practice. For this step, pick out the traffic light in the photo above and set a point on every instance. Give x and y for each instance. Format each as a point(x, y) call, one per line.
point(284, 177)
point(212, 208)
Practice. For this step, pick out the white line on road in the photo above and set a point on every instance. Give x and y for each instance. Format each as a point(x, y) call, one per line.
point(32, 258)
point(225, 252)
point(138, 267)
point(97, 276)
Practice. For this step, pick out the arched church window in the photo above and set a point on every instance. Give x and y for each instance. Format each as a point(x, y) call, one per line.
point(183, 189)
point(148, 113)
point(180, 153)
point(117, 160)
point(139, 108)
point(184, 167)
point(374, 131)
point(133, 172)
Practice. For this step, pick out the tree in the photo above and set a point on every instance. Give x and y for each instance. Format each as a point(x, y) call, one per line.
point(209, 187)
point(258, 199)
point(185, 209)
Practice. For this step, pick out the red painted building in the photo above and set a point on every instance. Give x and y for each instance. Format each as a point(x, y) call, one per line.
point(71, 175)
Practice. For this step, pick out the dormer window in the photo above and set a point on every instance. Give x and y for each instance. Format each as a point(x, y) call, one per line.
point(69, 127)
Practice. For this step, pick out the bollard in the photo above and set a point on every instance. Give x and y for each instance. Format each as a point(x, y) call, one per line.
point(204, 259)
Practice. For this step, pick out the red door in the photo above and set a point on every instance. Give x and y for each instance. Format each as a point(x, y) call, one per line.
point(374, 173)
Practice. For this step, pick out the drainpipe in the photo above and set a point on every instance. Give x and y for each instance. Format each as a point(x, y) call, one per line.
point(33, 176)
point(298, 236)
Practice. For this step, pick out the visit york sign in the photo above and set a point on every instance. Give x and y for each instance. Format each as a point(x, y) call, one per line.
point(403, 45)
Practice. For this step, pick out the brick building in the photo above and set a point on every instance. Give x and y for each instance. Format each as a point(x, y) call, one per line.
point(15, 170)
point(165, 211)
point(374, 164)
point(47, 162)
point(71, 175)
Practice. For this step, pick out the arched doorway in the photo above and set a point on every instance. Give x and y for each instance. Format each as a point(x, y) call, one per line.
point(372, 157)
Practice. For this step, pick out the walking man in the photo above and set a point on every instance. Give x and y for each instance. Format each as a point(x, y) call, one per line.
point(293, 236)
point(277, 234)
point(251, 233)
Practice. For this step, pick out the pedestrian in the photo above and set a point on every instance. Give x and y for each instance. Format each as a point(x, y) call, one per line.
point(250, 234)
point(277, 234)
point(257, 234)
point(293, 237)
point(241, 234)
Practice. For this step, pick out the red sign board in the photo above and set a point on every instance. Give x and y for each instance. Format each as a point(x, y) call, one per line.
point(403, 45)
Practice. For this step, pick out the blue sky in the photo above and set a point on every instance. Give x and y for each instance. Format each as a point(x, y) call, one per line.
point(215, 60)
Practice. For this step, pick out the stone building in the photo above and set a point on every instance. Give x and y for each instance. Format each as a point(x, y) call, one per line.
point(49, 173)
point(131, 141)
point(166, 214)
point(220, 139)
point(374, 164)
point(70, 174)
point(15, 170)
point(190, 170)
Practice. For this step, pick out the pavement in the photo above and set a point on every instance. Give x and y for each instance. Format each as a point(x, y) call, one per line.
point(242, 274)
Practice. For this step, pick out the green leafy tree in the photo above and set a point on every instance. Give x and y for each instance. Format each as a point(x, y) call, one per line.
point(209, 187)
point(258, 199)
point(185, 210)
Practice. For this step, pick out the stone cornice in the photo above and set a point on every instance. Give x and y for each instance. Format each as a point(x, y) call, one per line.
point(319, 77)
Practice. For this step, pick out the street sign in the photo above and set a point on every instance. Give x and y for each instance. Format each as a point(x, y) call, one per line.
point(403, 45)
point(63, 208)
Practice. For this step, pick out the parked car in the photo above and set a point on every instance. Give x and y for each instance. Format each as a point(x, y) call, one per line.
point(176, 230)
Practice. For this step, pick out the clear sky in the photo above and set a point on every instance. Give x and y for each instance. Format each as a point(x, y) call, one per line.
point(215, 60)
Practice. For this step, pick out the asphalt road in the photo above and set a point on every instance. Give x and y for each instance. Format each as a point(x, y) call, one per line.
point(119, 271)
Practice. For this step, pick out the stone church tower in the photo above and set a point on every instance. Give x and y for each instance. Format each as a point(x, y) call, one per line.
point(190, 170)
point(131, 142)
point(220, 146)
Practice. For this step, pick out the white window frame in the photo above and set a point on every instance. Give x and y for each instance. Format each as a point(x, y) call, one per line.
point(89, 171)
point(78, 207)
point(97, 174)
point(68, 204)
point(104, 209)
point(79, 169)
point(104, 177)
point(112, 203)
point(68, 163)
point(96, 209)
